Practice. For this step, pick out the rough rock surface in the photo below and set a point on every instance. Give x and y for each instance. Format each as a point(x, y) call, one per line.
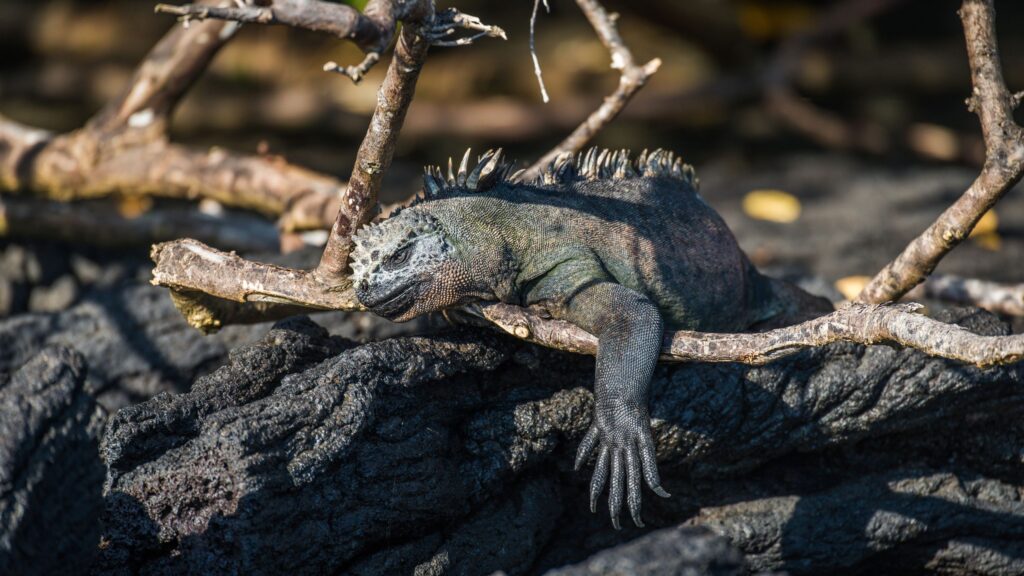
point(681, 551)
point(451, 454)
point(137, 344)
point(50, 473)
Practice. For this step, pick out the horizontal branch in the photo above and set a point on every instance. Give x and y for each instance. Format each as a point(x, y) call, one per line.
point(101, 224)
point(859, 323)
point(1007, 299)
point(371, 31)
point(187, 265)
point(84, 165)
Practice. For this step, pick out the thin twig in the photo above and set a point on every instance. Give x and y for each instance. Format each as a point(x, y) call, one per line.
point(1004, 163)
point(633, 77)
point(533, 48)
point(371, 30)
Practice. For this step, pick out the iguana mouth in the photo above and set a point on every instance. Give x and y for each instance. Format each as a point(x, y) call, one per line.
point(392, 304)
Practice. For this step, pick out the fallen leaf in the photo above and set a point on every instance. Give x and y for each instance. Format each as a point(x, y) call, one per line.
point(851, 286)
point(133, 206)
point(771, 205)
point(988, 224)
point(989, 241)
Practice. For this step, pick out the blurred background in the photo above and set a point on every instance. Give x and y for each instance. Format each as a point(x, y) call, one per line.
point(827, 133)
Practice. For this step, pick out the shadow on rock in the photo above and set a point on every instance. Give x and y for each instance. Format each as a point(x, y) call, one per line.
point(50, 473)
point(451, 454)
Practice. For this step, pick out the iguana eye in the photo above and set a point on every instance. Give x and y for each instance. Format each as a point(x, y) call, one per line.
point(399, 257)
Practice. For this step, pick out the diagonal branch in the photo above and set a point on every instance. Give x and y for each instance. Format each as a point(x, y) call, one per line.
point(633, 78)
point(1004, 163)
point(359, 201)
point(163, 78)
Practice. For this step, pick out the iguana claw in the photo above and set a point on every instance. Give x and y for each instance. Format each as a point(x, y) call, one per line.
point(626, 452)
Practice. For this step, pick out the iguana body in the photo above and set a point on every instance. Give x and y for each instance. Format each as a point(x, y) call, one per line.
point(621, 249)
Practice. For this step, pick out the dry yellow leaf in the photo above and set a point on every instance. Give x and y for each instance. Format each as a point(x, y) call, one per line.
point(989, 241)
point(780, 19)
point(851, 286)
point(133, 206)
point(988, 224)
point(771, 205)
point(934, 141)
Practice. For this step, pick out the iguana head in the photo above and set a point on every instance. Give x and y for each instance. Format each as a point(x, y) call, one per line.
point(406, 266)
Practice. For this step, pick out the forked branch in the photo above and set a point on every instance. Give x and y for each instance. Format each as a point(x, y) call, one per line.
point(196, 272)
point(123, 150)
point(1004, 163)
point(633, 77)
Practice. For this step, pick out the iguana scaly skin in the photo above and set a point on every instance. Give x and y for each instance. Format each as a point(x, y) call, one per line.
point(622, 249)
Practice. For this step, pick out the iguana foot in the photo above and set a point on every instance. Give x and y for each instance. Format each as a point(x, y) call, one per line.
point(625, 449)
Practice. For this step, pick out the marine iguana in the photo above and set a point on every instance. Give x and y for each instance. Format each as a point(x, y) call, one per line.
point(620, 248)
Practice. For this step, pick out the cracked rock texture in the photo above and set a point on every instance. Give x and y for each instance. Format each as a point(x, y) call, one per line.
point(50, 472)
point(451, 454)
point(682, 551)
point(137, 345)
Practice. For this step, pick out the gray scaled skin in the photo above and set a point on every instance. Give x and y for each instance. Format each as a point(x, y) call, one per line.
point(623, 249)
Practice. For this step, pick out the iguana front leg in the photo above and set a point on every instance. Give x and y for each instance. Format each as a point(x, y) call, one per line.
point(629, 330)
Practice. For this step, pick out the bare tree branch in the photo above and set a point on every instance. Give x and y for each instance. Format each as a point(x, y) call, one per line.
point(859, 323)
point(123, 150)
point(1007, 299)
point(359, 200)
point(189, 267)
point(372, 30)
point(104, 225)
point(632, 79)
point(1004, 163)
point(87, 164)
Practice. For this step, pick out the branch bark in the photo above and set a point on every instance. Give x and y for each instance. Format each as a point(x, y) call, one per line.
point(859, 323)
point(188, 266)
point(1004, 163)
point(359, 200)
point(1007, 299)
point(123, 150)
point(633, 78)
